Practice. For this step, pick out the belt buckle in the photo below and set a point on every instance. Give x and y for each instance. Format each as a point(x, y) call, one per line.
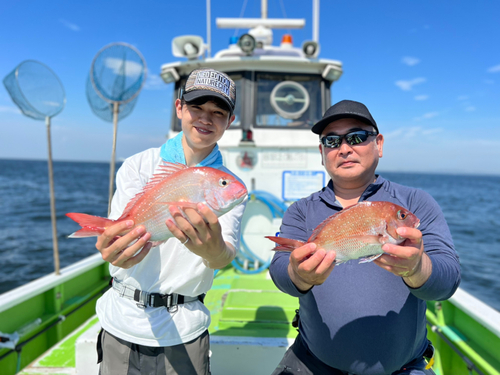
point(172, 305)
point(141, 297)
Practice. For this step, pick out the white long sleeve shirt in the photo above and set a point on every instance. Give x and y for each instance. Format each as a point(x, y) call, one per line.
point(168, 268)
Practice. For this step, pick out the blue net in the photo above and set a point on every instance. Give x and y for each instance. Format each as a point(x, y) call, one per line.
point(36, 90)
point(104, 109)
point(118, 73)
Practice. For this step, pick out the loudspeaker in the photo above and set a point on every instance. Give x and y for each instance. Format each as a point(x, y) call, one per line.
point(190, 46)
point(247, 43)
point(310, 49)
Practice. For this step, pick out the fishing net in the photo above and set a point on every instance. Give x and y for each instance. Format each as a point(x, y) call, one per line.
point(104, 109)
point(118, 73)
point(36, 90)
point(39, 94)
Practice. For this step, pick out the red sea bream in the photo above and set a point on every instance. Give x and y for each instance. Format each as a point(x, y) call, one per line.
point(173, 184)
point(358, 231)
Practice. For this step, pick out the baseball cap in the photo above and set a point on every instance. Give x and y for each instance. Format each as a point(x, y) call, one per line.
point(344, 109)
point(210, 82)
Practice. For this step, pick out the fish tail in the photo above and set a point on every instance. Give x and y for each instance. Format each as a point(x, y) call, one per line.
point(285, 244)
point(91, 225)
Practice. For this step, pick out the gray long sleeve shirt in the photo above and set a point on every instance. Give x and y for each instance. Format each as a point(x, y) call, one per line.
point(364, 319)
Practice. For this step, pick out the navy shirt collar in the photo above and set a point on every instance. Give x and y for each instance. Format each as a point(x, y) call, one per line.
point(328, 195)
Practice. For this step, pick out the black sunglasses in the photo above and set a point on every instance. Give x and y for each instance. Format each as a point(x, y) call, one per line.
point(352, 138)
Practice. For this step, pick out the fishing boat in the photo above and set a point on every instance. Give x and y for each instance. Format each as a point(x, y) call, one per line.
point(49, 325)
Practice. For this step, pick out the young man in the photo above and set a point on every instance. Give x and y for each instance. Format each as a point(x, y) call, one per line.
point(172, 338)
point(362, 318)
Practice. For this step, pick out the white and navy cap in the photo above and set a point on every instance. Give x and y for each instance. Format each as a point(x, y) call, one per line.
point(210, 82)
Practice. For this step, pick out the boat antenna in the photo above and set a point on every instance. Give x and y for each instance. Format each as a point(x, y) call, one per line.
point(209, 33)
point(263, 9)
point(316, 21)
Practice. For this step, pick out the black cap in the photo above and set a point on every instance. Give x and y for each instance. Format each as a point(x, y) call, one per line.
point(210, 82)
point(344, 109)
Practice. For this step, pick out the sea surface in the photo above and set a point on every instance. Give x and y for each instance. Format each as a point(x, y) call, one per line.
point(471, 206)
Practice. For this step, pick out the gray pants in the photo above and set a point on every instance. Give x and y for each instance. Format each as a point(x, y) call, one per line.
point(298, 360)
point(120, 357)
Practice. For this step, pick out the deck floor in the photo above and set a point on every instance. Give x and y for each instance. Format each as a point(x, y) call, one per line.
point(61, 358)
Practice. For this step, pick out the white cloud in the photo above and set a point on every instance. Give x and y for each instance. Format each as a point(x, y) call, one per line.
point(70, 25)
point(421, 97)
point(408, 85)
point(462, 97)
point(494, 69)
point(410, 61)
point(411, 132)
point(432, 131)
point(154, 82)
point(7, 109)
point(51, 104)
point(470, 108)
point(131, 68)
point(427, 116)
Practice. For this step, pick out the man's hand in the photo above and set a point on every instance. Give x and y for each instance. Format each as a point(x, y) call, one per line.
point(408, 259)
point(309, 267)
point(202, 231)
point(119, 244)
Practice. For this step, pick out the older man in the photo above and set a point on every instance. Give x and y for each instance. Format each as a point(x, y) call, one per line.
point(362, 318)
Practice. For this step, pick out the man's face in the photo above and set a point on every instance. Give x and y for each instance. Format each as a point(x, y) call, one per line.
point(351, 163)
point(203, 125)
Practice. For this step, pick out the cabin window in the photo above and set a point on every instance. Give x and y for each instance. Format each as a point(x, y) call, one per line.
point(290, 100)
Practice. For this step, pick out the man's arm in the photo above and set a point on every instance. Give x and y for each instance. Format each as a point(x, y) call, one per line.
point(201, 233)
point(427, 260)
point(297, 272)
point(121, 245)
point(407, 260)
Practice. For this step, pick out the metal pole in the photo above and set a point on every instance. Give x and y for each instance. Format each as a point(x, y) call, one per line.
point(209, 34)
point(316, 21)
point(113, 152)
point(263, 10)
point(52, 201)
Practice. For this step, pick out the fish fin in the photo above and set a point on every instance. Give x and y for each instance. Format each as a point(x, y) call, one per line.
point(163, 171)
point(285, 244)
point(369, 259)
point(91, 225)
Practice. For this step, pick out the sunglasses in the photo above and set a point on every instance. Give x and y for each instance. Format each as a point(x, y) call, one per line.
point(353, 138)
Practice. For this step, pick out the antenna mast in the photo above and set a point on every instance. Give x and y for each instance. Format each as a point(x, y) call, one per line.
point(316, 21)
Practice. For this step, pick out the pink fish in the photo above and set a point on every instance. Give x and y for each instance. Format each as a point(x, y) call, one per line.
point(358, 231)
point(173, 185)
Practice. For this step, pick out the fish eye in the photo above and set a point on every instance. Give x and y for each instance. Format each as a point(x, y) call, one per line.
point(402, 215)
point(223, 182)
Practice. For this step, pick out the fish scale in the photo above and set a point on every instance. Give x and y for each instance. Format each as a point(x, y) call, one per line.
point(357, 232)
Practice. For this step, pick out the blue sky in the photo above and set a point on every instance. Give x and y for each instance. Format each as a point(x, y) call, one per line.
point(428, 70)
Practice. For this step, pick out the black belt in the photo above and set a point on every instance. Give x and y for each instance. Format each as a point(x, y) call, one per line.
point(170, 301)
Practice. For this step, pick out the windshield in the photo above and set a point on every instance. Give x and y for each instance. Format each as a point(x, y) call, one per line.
point(290, 100)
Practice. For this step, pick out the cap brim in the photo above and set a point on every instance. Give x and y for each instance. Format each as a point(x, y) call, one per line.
point(189, 96)
point(323, 123)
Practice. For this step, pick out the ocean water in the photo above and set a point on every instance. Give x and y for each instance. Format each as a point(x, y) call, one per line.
point(470, 204)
